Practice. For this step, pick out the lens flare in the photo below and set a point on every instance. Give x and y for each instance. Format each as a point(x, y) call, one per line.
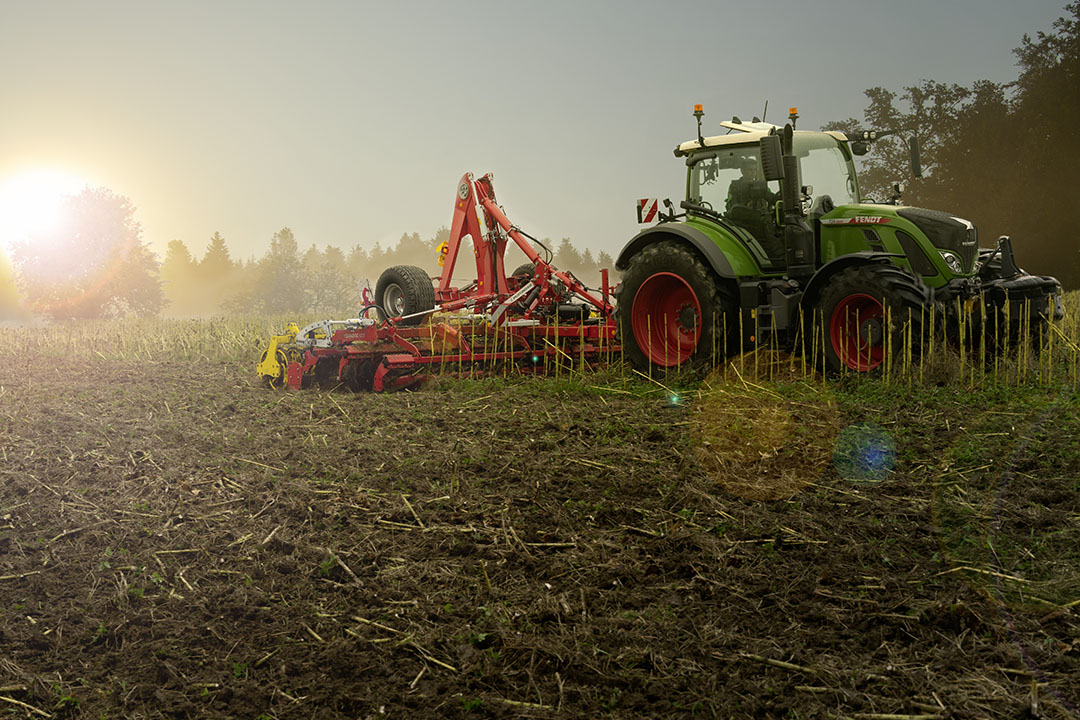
point(30, 203)
point(864, 453)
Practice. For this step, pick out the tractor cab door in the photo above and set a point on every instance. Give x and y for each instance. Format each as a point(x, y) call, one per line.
point(729, 181)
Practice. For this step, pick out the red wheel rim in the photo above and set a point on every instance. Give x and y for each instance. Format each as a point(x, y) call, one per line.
point(666, 319)
point(857, 332)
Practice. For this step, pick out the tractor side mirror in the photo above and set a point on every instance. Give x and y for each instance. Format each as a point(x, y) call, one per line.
point(916, 165)
point(772, 164)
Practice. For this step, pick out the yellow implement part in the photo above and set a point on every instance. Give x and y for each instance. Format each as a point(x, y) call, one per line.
point(272, 365)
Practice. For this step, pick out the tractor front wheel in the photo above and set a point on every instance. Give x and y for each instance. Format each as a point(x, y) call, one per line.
point(673, 310)
point(404, 290)
point(868, 313)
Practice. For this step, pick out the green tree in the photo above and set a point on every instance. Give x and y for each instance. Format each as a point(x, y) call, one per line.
point(328, 288)
point(566, 256)
point(336, 290)
point(1046, 148)
point(216, 265)
point(93, 264)
point(280, 282)
point(215, 279)
point(178, 280)
point(588, 263)
point(1002, 156)
point(358, 261)
point(9, 292)
point(311, 262)
point(441, 235)
point(932, 111)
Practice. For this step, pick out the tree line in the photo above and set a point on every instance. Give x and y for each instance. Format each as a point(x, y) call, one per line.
point(96, 264)
point(1003, 155)
point(292, 279)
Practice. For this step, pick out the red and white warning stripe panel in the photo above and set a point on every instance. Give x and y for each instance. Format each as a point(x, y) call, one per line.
point(646, 210)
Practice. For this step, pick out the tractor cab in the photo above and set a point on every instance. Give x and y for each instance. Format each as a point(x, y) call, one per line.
point(726, 183)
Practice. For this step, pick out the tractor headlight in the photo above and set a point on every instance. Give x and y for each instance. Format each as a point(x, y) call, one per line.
point(952, 260)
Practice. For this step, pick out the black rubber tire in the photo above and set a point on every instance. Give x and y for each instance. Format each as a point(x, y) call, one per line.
point(404, 290)
point(717, 301)
point(524, 269)
point(904, 299)
point(521, 275)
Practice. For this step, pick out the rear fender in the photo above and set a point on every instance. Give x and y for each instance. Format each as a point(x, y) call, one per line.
point(685, 233)
point(821, 278)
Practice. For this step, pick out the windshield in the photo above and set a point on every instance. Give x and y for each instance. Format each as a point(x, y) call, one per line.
point(824, 165)
point(724, 179)
point(730, 180)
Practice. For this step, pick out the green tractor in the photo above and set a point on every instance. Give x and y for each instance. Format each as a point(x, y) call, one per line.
point(776, 246)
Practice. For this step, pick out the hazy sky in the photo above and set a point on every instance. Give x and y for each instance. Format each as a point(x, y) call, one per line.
point(351, 122)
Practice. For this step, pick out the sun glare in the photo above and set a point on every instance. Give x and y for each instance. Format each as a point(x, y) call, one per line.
point(30, 202)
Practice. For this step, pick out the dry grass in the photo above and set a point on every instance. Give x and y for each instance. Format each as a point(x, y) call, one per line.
point(236, 338)
point(243, 338)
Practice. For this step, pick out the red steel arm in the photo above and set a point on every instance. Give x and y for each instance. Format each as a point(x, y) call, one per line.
point(522, 242)
point(489, 248)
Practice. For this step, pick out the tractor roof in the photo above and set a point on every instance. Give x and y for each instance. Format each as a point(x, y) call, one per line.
point(743, 133)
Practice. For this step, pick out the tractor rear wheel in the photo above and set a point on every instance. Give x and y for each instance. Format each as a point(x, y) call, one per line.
point(404, 290)
point(868, 312)
point(673, 309)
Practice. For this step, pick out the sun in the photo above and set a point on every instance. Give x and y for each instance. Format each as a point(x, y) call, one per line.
point(30, 202)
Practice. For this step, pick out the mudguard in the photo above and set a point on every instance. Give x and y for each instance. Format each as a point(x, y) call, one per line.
point(821, 277)
point(694, 237)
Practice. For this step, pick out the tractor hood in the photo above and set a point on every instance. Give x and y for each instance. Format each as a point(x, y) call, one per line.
point(946, 232)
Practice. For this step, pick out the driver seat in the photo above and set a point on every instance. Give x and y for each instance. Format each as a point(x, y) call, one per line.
point(823, 205)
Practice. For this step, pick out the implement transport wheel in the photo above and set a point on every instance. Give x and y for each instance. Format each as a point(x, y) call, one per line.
point(672, 309)
point(521, 275)
point(527, 269)
point(869, 311)
point(404, 290)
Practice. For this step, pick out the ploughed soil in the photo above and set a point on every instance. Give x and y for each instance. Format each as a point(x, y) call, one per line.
point(178, 541)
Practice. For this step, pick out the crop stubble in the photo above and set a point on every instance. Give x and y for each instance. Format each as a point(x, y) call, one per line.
point(180, 542)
